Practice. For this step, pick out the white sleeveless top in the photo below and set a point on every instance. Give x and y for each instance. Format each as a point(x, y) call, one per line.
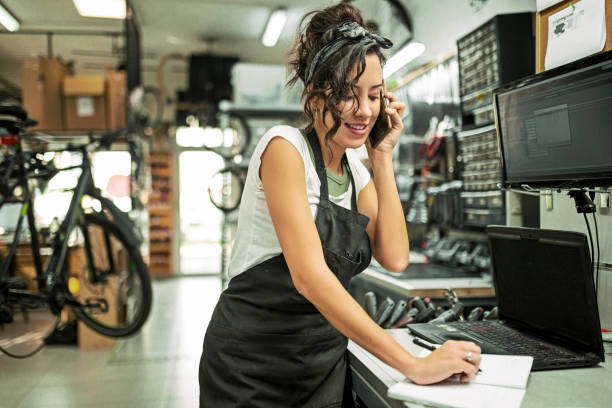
point(256, 239)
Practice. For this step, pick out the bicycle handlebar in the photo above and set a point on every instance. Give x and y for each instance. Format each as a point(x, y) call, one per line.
point(105, 140)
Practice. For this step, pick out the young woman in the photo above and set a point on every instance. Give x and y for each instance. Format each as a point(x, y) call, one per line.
point(310, 219)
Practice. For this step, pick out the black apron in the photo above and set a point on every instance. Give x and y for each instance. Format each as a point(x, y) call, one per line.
point(268, 346)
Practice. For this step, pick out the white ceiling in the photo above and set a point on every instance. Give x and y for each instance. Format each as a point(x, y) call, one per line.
point(225, 27)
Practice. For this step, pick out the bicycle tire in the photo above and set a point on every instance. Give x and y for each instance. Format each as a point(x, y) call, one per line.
point(243, 131)
point(132, 280)
point(236, 184)
point(239, 124)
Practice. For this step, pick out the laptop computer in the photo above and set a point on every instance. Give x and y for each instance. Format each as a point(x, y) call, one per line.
point(546, 301)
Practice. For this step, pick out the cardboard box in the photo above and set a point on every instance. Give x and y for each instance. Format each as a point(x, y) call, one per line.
point(23, 262)
point(42, 91)
point(87, 338)
point(85, 102)
point(115, 99)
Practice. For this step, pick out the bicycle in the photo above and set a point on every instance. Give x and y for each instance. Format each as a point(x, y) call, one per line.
point(113, 263)
point(226, 187)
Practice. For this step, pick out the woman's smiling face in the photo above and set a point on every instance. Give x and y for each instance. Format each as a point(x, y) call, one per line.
point(359, 111)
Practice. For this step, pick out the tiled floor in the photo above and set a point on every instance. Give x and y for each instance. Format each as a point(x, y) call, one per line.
point(156, 368)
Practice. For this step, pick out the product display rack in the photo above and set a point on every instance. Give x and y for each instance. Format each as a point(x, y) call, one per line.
point(497, 52)
point(482, 201)
point(161, 214)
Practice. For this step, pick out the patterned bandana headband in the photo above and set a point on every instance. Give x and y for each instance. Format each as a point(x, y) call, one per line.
point(348, 33)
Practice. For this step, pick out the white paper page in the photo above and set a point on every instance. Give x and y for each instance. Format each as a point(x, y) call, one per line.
point(498, 370)
point(504, 371)
point(575, 32)
point(462, 395)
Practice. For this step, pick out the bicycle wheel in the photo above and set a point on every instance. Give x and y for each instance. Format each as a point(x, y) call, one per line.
point(114, 288)
point(236, 136)
point(226, 186)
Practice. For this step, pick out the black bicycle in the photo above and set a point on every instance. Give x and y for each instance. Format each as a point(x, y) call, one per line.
point(113, 293)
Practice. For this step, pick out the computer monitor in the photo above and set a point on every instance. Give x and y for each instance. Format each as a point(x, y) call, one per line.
point(555, 128)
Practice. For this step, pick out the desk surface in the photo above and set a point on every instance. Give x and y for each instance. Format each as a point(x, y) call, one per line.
point(581, 387)
point(475, 286)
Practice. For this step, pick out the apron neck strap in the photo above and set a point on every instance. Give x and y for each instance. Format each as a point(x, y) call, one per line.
point(319, 165)
point(353, 190)
point(322, 172)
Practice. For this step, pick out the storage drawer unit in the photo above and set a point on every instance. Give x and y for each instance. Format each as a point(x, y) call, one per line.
point(482, 201)
point(481, 168)
point(499, 51)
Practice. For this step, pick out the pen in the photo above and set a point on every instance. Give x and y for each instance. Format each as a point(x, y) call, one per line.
point(421, 343)
point(428, 346)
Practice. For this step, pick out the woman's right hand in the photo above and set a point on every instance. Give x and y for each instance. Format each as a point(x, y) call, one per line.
point(446, 361)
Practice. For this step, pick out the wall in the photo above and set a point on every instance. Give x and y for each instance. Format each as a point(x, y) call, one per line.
point(438, 24)
point(563, 216)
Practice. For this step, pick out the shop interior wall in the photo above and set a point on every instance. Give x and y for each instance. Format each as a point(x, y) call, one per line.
point(438, 24)
point(563, 216)
point(11, 70)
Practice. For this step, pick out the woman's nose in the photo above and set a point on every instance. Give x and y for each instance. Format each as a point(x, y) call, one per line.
point(364, 109)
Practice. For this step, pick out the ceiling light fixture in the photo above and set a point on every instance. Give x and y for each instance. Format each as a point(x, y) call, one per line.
point(274, 27)
point(101, 9)
point(402, 57)
point(7, 19)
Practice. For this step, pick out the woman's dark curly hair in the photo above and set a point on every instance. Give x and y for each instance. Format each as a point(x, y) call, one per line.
point(331, 75)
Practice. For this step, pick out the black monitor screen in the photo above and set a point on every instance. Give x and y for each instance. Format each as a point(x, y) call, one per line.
point(556, 128)
point(543, 280)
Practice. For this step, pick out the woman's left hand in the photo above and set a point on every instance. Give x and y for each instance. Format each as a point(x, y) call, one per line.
point(395, 112)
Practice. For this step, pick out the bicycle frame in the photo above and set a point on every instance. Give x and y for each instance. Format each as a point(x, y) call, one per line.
point(50, 277)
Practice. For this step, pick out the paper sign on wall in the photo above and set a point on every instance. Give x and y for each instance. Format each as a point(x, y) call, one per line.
point(575, 32)
point(85, 106)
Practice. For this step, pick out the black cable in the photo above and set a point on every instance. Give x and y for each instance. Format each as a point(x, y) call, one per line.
point(598, 253)
point(8, 353)
point(30, 354)
point(592, 250)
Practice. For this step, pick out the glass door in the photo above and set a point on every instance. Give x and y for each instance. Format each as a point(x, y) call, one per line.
point(200, 221)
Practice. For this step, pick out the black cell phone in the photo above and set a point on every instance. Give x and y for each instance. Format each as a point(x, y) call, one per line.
point(382, 126)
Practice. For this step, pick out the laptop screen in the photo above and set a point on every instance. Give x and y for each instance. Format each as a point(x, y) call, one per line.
point(543, 279)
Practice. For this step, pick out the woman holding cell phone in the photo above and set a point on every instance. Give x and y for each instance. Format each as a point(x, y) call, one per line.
point(311, 218)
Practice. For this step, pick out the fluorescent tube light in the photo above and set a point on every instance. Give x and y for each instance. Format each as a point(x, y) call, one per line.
point(101, 8)
point(7, 19)
point(274, 27)
point(402, 57)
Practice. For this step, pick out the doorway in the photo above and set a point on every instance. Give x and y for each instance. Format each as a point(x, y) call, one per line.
point(200, 222)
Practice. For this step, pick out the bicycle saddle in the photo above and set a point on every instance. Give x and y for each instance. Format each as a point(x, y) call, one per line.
point(7, 110)
point(14, 118)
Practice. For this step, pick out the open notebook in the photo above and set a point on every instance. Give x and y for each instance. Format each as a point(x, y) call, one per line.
point(502, 382)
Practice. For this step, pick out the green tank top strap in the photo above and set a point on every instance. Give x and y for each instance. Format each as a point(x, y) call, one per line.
point(337, 185)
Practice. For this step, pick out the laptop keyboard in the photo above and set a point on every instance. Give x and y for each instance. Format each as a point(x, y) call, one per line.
point(514, 342)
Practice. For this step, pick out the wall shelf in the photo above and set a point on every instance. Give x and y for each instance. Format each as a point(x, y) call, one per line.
point(161, 213)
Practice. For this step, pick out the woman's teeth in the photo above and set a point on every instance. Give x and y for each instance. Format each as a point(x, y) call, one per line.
point(356, 127)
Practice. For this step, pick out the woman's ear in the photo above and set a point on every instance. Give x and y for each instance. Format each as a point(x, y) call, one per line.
point(317, 104)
